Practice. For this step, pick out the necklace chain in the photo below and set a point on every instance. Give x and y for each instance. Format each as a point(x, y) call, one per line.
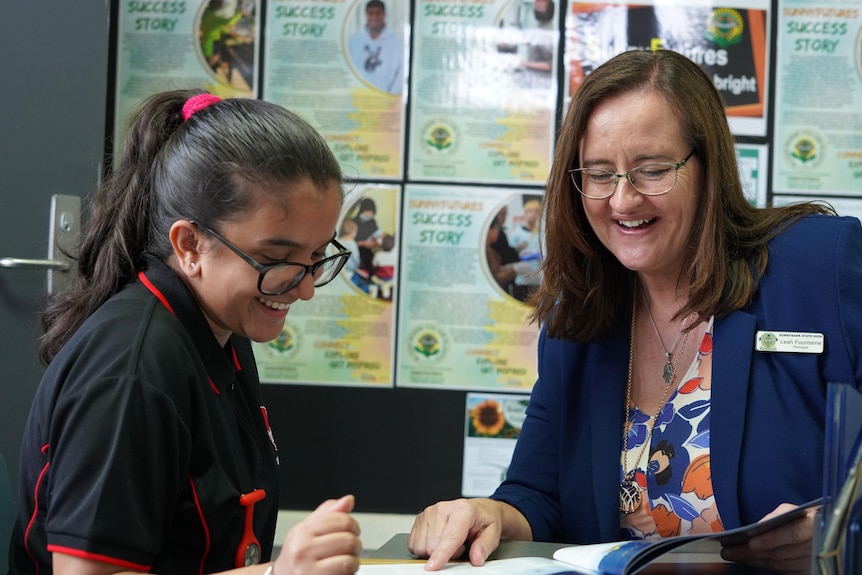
point(629, 493)
point(669, 370)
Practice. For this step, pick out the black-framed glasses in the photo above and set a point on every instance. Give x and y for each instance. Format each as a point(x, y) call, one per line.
point(281, 277)
point(648, 179)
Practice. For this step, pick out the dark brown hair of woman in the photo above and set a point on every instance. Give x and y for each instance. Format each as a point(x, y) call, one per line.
point(585, 291)
point(207, 168)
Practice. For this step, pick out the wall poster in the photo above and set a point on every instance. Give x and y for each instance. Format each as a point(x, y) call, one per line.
point(467, 263)
point(342, 66)
point(204, 44)
point(344, 334)
point(491, 429)
point(483, 91)
point(818, 128)
point(730, 41)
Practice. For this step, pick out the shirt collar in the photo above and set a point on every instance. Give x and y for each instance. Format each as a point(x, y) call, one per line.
point(220, 362)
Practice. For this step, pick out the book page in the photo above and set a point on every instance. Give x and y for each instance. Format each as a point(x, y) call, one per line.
point(623, 557)
point(513, 566)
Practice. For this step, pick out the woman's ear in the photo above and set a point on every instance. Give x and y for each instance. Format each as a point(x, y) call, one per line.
point(185, 238)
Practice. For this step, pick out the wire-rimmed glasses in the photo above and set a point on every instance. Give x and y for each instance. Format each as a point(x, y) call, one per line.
point(652, 179)
point(281, 277)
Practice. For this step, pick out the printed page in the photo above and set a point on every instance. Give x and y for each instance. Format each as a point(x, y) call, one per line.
point(514, 566)
point(624, 557)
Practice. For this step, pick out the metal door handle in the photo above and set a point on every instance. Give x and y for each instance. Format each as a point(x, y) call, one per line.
point(34, 264)
point(65, 227)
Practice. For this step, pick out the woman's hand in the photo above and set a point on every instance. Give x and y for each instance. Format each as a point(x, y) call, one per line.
point(324, 543)
point(447, 529)
point(785, 549)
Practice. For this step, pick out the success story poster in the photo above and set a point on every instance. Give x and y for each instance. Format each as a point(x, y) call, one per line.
point(818, 128)
point(207, 44)
point(483, 91)
point(469, 258)
point(342, 65)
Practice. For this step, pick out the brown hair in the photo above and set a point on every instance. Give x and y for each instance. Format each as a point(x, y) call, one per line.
point(585, 291)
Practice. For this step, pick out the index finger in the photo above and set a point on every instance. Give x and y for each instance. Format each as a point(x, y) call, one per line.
point(450, 543)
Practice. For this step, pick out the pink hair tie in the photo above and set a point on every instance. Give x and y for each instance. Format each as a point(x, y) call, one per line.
point(198, 103)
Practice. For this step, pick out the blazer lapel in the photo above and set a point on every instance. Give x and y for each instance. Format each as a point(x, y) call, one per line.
point(606, 380)
point(733, 346)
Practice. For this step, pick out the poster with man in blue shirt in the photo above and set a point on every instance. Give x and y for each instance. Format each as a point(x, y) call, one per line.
point(376, 52)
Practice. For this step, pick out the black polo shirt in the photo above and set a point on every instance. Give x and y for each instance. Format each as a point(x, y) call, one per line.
point(143, 435)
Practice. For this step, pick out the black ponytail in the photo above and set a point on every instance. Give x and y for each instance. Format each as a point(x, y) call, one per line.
point(114, 238)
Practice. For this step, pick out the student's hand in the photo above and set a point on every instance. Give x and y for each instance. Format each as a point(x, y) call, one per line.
point(324, 543)
point(447, 529)
point(785, 549)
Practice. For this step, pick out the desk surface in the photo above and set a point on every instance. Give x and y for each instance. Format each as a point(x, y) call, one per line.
point(687, 560)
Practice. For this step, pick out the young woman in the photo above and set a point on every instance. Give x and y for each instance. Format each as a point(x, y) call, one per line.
point(148, 447)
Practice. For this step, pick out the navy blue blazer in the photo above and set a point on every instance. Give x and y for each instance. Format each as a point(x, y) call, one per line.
point(768, 408)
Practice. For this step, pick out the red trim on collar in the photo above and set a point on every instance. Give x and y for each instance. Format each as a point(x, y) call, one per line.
point(155, 291)
point(235, 358)
point(161, 297)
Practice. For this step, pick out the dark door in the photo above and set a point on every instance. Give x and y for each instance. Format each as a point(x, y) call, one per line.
point(53, 93)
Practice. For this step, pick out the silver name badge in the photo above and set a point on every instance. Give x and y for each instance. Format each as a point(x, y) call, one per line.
point(789, 342)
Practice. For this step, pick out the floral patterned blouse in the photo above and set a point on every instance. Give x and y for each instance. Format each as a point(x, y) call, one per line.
point(674, 478)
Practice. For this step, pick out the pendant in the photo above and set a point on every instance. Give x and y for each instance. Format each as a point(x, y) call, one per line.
point(667, 374)
point(630, 495)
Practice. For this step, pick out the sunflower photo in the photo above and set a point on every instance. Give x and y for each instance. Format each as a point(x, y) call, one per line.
point(493, 417)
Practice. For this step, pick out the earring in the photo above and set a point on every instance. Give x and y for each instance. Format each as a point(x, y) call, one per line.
point(194, 264)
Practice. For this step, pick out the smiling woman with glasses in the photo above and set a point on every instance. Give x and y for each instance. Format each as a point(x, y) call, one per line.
point(662, 406)
point(281, 277)
point(148, 447)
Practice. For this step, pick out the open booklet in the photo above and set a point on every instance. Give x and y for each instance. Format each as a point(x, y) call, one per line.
point(625, 557)
point(619, 558)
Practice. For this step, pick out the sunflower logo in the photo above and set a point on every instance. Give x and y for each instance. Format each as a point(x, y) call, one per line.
point(724, 27)
point(804, 149)
point(427, 344)
point(440, 137)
